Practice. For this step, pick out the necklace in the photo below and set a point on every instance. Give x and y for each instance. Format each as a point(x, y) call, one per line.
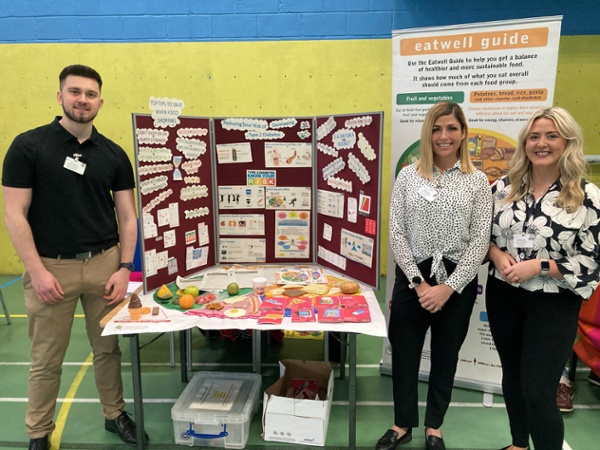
point(540, 191)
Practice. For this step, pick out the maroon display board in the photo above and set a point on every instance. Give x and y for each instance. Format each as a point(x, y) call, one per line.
point(175, 198)
point(282, 190)
point(348, 180)
point(264, 175)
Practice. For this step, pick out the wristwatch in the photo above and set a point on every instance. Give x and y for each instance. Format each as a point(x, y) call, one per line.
point(129, 266)
point(544, 267)
point(415, 281)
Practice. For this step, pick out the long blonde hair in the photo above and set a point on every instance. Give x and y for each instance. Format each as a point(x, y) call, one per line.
point(425, 163)
point(571, 165)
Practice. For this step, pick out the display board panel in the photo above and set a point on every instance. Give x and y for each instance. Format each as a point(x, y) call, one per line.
point(264, 177)
point(348, 180)
point(175, 198)
point(281, 190)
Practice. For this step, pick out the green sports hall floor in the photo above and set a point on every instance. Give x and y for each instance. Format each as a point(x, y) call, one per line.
point(468, 425)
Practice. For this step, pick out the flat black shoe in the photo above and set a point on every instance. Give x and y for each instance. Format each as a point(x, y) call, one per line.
point(125, 428)
point(434, 443)
point(39, 443)
point(390, 440)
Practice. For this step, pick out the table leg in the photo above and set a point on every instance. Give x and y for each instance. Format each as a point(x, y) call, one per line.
point(343, 353)
point(352, 391)
point(183, 355)
point(136, 374)
point(256, 351)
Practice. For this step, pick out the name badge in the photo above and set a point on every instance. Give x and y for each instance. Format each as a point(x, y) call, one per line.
point(523, 240)
point(74, 165)
point(428, 193)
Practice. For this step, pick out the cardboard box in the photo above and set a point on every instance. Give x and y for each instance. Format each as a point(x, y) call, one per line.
point(296, 420)
point(215, 409)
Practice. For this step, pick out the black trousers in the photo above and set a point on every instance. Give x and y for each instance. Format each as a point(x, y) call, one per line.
point(534, 334)
point(408, 327)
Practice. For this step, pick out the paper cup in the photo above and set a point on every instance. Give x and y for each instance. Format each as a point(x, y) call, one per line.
point(259, 284)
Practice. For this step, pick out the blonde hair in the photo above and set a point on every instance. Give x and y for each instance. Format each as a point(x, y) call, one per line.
point(425, 162)
point(571, 165)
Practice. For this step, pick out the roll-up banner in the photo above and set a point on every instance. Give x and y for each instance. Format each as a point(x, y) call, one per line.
point(500, 73)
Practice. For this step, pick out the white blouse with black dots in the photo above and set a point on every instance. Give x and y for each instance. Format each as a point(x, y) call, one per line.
point(454, 225)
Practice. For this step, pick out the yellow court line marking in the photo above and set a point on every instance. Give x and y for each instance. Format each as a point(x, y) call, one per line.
point(24, 316)
point(61, 420)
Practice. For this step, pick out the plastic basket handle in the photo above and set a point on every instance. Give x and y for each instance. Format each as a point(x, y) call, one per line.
point(222, 434)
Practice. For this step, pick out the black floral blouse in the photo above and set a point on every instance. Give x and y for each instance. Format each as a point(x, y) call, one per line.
point(570, 239)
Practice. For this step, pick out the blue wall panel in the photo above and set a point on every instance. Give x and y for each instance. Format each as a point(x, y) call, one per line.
point(255, 20)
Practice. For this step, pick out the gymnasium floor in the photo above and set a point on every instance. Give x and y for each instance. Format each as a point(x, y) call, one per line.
point(469, 424)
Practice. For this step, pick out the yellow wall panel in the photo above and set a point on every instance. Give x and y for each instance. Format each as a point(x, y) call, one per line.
point(216, 79)
point(310, 78)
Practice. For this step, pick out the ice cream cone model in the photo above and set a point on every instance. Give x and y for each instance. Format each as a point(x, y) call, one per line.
point(135, 307)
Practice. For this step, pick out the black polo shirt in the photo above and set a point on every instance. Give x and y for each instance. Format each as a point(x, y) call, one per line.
point(69, 213)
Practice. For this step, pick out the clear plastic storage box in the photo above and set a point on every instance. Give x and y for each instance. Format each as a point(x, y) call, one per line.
point(215, 409)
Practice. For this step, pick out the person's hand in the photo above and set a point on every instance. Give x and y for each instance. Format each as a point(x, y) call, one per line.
point(46, 287)
point(433, 298)
point(503, 262)
point(116, 287)
point(522, 271)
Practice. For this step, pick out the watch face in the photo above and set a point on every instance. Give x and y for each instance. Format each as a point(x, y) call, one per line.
point(545, 265)
point(416, 281)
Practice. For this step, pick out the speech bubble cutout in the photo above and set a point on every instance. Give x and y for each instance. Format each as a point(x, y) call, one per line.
point(191, 132)
point(152, 154)
point(165, 111)
point(333, 167)
point(365, 148)
point(344, 138)
point(283, 123)
point(191, 148)
point(153, 184)
point(325, 128)
point(358, 122)
point(358, 168)
point(151, 136)
point(235, 123)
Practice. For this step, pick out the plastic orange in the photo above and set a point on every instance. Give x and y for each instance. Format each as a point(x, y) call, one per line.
point(187, 301)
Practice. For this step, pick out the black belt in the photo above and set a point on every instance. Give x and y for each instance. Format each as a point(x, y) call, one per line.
point(79, 256)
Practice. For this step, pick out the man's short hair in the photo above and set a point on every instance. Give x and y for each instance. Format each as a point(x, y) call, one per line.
point(81, 71)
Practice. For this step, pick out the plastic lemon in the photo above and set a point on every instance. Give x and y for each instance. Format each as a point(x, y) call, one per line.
point(192, 290)
point(164, 292)
point(233, 288)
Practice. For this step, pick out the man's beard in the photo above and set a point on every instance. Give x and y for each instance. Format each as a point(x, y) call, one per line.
point(77, 119)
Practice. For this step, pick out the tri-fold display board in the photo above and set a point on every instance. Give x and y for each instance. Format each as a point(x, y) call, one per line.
point(278, 190)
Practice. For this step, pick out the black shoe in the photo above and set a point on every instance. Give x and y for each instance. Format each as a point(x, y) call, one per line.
point(594, 379)
point(39, 443)
point(125, 428)
point(434, 443)
point(390, 440)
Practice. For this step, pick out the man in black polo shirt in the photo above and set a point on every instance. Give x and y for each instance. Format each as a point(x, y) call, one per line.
point(70, 214)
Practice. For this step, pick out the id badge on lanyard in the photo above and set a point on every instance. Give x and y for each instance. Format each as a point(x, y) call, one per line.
point(523, 241)
point(74, 165)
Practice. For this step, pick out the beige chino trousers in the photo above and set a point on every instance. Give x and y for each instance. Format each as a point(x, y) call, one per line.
point(50, 332)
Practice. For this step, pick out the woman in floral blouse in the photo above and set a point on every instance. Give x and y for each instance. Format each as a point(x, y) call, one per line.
point(544, 261)
point(440, 218)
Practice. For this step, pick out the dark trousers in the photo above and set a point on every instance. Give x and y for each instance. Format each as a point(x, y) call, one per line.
point(534, 334)
point(408, 327)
